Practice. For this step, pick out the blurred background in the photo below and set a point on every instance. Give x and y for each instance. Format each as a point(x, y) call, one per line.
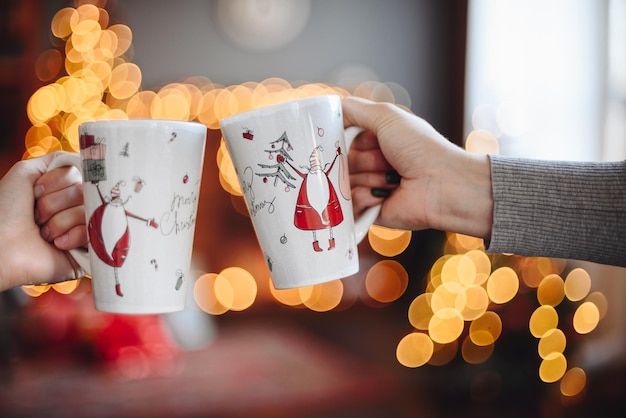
point(431, 326)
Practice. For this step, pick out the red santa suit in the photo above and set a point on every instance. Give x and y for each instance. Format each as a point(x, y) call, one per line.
point(317, 206)
point(109, 234)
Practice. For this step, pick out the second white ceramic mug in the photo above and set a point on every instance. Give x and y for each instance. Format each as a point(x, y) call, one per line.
point(291, 163)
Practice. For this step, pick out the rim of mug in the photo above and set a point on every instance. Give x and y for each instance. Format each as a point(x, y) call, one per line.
point(277, 106)
point(141, 121)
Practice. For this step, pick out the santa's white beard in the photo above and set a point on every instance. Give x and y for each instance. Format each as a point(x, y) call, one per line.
point(318, 192)
point(114, 225)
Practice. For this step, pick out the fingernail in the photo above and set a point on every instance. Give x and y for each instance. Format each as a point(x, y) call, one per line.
point(380, 192)
point(392, 177)
point(38, 190)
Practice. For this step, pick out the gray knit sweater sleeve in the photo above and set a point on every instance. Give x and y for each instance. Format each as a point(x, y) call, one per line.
point(559, 209)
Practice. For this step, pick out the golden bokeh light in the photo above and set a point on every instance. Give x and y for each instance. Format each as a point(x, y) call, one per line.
point(43, 104)
point(502, 285)
point(476, 302)
point(124, 37)
point(445, 326)
point(36, 290)
point(420, 311)
point(227, 173)
point(448, 295)
point(67, 287)
point(486, 329)
point(552, 341)
point(414, 350)
point(205, 297)
point(60, 24)
point(289, 297)
point(577, 284)
point(551, 290)
point(598, 299)
point(586, 318)
point(459, 269)
point(388, 242)
point(459, 243)
point(235, 288)
point(542, 320)
point(553, 367)
point(125, 80)
point(139, 106)
point(533, 269)
point(386, 281)
point(322, 297)
point(573, 382)
point(482, 265)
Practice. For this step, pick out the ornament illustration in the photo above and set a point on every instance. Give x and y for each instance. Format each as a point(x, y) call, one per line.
point(179, 279)
point(139, 183)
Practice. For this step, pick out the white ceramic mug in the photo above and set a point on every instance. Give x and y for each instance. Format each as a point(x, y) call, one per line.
point(291, 164)
point(141, 184)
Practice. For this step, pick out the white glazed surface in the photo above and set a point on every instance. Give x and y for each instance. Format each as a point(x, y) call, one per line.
point(272, 187)
point(155, 168)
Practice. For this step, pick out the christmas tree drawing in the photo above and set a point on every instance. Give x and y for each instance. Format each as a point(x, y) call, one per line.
point(278, 171)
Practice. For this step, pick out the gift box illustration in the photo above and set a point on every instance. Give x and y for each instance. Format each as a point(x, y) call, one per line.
point(247, 134)
point(94, 152)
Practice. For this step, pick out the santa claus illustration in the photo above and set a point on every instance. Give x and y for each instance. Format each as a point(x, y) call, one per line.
point(317, 205)
point(109, 234)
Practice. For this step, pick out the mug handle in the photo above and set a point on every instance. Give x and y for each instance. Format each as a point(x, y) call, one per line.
point(80, 255)
point(367, 219)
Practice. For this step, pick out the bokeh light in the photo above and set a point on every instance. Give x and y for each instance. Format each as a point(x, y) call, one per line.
point(414, 350)
point(586, 318)
point(542, 320)
point(502, 285)
point(388, 242)
point(552, 367)
point(386, 281)
point(573, 382)
point(322, 297)
point(552, 341)
point(551, 290)
point(577, 284)
point(486, 329)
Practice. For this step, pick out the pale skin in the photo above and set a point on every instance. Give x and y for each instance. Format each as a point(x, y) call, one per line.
point(41, 217)
point(442, 186)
